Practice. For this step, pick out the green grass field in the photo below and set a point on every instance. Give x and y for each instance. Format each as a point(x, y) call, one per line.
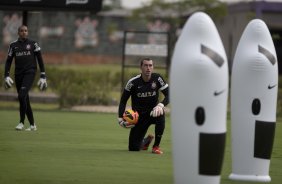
point(81, 148)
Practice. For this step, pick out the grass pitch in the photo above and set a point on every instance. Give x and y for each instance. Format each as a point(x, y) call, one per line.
point(82, 148)
point(75, 148)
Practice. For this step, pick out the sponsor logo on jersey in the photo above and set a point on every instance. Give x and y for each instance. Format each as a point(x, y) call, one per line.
point(27, 47)
point(146, 94)
point(23, 53)
point(161, 81)
point(128, 86)
point(154, 85)
point(37, 48)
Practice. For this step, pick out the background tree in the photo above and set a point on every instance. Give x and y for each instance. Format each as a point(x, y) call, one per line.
point(177, 12)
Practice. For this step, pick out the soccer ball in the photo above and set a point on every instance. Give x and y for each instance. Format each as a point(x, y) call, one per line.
point(131, 116)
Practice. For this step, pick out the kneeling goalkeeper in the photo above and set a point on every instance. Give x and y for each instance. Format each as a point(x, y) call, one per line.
point(144, 92)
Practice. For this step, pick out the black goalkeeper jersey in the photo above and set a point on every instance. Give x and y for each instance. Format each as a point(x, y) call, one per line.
point(26, 53)
point(144, 95)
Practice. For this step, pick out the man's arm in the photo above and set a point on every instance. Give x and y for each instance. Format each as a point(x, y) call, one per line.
point(166, 96)
point(37, 52)
point(123, 100)
point(8, 66)
point(9, 62)
point(8, 80)
point(42, 83)
point(40, 61)
point(158, 110)
point(122, 105)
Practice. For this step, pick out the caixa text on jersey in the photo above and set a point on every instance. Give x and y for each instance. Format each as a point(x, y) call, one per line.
point(23, 53)
point(146, 94)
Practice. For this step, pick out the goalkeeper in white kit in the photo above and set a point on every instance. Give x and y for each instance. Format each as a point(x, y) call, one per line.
point(144, 92)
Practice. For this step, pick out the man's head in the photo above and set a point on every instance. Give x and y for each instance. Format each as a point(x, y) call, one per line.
point(147, 67)
point(23, 32)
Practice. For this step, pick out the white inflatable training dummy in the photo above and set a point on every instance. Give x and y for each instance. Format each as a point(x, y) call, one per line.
point(198, 95)
point(254, 85)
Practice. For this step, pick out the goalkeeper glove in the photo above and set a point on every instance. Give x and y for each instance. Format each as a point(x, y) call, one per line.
point(8, 82)
point(42, 83)
point(158, 110)
point(124, 123)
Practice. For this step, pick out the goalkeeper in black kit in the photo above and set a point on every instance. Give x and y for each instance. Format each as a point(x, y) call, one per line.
point(144, 92)
point(27, 54)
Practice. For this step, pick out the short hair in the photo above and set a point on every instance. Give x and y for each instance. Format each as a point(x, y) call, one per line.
point(19, 28)
point(144, 59)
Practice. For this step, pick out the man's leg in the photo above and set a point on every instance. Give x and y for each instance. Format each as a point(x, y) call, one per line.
point(24, 83)
point(137, 134)
point(22, 99)
point(29, 112)
point(19, 80)
point(159, 130)
point(146, 142)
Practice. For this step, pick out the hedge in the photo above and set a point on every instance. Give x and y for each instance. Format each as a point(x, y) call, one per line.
point(87, 87)
point(76, 87)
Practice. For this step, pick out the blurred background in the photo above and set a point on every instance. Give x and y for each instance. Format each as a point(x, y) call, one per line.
point(90, 48)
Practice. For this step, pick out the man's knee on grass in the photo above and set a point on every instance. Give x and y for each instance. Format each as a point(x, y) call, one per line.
point(134, 148)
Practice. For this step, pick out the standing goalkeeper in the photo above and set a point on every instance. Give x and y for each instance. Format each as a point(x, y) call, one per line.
point(27, 54)
point(144, 91)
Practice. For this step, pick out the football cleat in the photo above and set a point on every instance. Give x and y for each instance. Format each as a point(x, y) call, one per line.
point(31, 128)
point(157, 150)
point(20, 126)
point(147, 141)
